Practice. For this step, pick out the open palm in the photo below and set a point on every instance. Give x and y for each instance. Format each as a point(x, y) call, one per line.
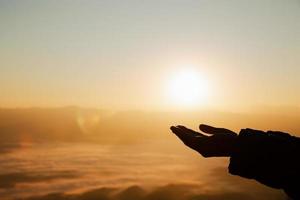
point(217, 142)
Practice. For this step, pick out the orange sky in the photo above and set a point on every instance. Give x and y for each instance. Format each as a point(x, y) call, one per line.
point(123, 55)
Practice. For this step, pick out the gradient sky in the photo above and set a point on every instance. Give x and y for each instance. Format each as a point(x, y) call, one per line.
point(121, 54)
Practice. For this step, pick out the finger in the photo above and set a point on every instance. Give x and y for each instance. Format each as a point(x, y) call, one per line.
point(190, 131)
point(182, 136)
point(213, 130)
point(188, 139)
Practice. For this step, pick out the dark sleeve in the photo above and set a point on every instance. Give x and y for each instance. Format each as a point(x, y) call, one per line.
point(272, 158)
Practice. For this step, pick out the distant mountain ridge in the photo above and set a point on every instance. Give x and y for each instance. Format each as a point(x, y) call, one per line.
point(71, 124)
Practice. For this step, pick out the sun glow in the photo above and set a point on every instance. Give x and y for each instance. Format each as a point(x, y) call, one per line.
point(187, 88)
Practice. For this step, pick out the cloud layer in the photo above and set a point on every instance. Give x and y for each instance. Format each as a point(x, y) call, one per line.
point(172, 191)
point(109, 172)
point(78, 154)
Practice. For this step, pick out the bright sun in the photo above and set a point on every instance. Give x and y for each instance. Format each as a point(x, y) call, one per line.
point(187, 88)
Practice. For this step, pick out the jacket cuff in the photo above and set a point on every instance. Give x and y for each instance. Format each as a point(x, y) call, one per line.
point(264, 156)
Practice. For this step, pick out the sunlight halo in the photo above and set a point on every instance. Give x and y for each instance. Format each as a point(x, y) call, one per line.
point(187, 87)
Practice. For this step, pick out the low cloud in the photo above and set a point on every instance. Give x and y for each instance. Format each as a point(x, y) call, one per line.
point(10, 180)
point(172, 192)
point(71, 172)
point(8, 147)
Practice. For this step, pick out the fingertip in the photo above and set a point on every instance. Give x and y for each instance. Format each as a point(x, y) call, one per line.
point(181, 126)
point(206, 128)
point(203, 127)
point(173, 128)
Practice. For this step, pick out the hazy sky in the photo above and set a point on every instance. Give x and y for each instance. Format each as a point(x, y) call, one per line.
point(121, 54)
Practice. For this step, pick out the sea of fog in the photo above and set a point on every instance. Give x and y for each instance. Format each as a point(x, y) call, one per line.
point(141, 171)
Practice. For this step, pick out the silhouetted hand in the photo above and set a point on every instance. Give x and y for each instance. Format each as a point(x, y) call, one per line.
point(219, 141)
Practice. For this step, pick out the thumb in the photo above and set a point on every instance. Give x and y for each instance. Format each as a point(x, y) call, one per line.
point(213, 130)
